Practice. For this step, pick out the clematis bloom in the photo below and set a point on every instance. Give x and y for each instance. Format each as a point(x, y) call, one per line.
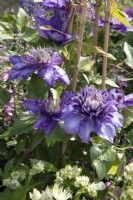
point(50, 113)
point(92, 111)
point(45, 61)
point(52, 19)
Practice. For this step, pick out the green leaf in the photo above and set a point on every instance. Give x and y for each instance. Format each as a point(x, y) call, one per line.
point(85, 64)
point(127, 114)
point(8, 166)
point(58, 134)
point(20, 146)
point(30, 35)
point(36, 88)
point(129, 53)
point(56, 93)
point(47, 166)
point(22, 125)
point(103, 157)
point(36, 140)
point(5, 36)
point(130, 137)
point(121, 168)
point(118, 14)
point(5, 96)
point(22, 20)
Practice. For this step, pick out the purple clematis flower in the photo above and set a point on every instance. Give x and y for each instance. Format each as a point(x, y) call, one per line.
point(92, 111)
point(52, 19)
point(49, 111)
point(45, 61)
point(120, 99)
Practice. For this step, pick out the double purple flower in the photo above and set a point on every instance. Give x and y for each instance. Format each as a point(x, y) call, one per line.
point(92, 111)
point(45, 61)
point(49, 111)
point(52, 19)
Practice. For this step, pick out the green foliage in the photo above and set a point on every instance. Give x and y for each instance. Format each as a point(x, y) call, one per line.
point(5, 96)
point(103, 157)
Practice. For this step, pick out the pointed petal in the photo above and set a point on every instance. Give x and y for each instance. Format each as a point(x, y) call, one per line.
point(72, 123)
point(41, 122)
point(106, 131)
point(61, 75)
point(85, 129)
point(32, 105)
point(15, 59)
point(117, 119)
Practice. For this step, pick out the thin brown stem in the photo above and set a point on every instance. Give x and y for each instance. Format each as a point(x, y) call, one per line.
point(106, 41)
point(95, 32)
point(75, 75)
point(79, 46)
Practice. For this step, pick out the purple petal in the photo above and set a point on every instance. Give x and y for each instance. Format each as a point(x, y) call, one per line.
point(85, 129)
point(72, 123)
point(32, 105)
point(50, 126)
point(117, 119)
point(41, 122)
point(106, 131)
point(48, 75)
point(15, 59)
point(61, 75)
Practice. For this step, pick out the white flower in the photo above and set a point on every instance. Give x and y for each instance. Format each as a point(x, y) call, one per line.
point(82, 181)
point(47, 194)
point(36, 195)
point(92, 190)
point(22, 175)
point(128, 174)
point(68, 172)
point(61, 194)
point(37, 168)
point(14, 184)
point(6, 182)
point(15, 175)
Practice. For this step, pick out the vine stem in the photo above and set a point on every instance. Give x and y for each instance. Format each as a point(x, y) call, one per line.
point(75, 74)
point(95, 31)
point(79, 46)
point(106, 41)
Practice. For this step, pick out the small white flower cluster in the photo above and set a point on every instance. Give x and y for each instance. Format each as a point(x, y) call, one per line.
point(128, 174)
point(13, 182)
point(83, 182)
point(54, 193)
point(129, 192)
point(37, 168)
point(67, 172)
